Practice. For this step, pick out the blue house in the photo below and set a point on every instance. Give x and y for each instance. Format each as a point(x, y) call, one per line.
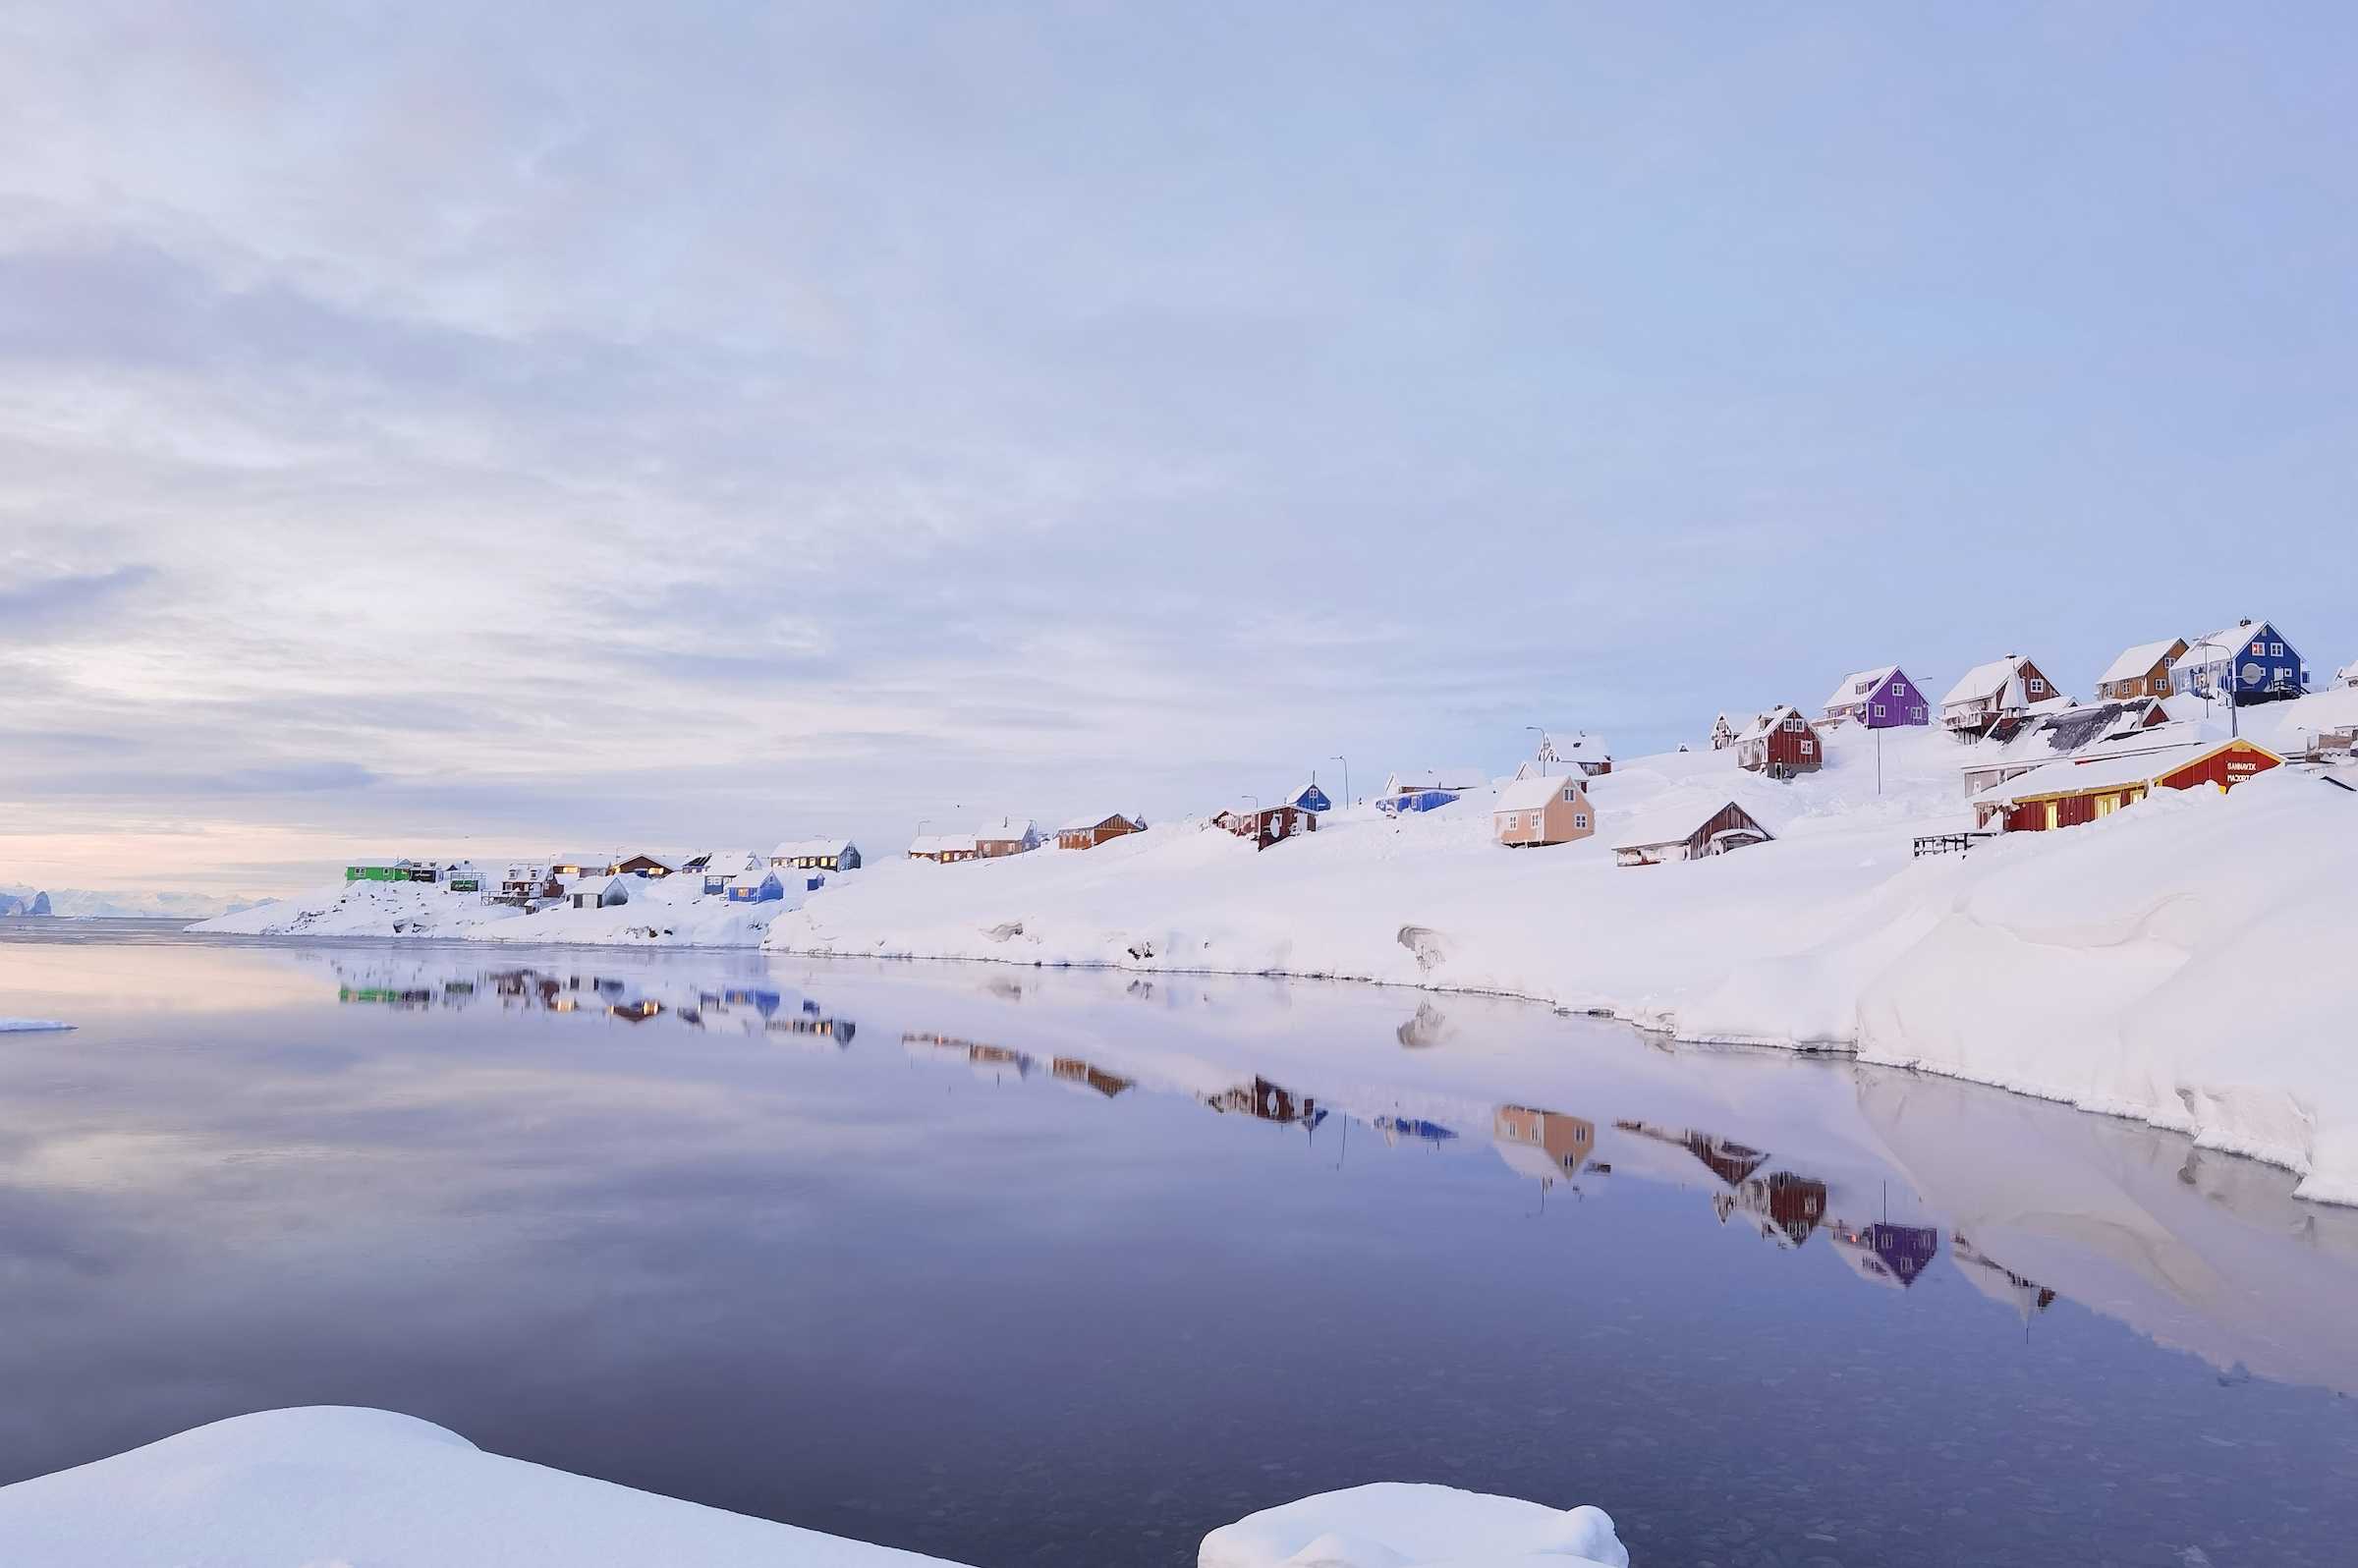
point(1428, 791)
point(1878, 700)
point(2249, 661)
point(1311, 798)
point(756, 887)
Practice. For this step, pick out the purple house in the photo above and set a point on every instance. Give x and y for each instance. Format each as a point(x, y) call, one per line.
point(1878, 700)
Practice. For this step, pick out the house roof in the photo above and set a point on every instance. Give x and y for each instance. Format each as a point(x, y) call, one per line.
point(2222, 643)
point(1860, 685)
point(1435, 778)
point(2135, 662)
point(1669, 823)
point(938, 843)
point(1768, 722)
point(810, 845)
point(1984, 680)
point(1006, 830)
point(1578, 747)
point(1529, 794)
point(2078, 775)
point(1082, 824)
point(753, 876)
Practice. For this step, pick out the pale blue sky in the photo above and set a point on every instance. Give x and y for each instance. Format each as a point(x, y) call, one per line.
point(696, 422)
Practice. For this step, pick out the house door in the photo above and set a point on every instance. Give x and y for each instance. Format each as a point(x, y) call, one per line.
point(2055, 814)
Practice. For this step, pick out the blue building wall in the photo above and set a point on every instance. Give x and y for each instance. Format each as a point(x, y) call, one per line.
point(2266, 666)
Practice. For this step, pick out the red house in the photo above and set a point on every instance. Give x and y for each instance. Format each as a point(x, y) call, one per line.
point(1780, 744)
point(2068, 794)
point(1269, 827)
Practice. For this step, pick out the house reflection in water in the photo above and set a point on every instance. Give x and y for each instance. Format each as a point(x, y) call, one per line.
point(1073, 1070)
point(1996, 1281)
point(1395, 1128)
point(1269, 1102)
point(1544, 1144)
point(991, 1061)
point(1890, 1254)
point(1785, 1207)
point(839, 1031)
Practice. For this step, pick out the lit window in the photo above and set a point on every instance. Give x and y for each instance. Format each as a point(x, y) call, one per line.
point(1808, 746)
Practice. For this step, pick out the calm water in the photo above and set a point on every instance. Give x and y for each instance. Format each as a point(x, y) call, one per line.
point(1025, 1267)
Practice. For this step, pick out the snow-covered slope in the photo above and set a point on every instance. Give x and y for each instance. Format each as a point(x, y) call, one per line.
point(670, 912)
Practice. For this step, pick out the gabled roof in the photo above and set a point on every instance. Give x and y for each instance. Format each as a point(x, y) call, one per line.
point(810, 845)
point(2137, 661)
point(1083, 825)
point(1529, 794)
point(2224, 644)
point(1672, 822)
point(2080, 774)
point(1768, 722)
point(1006, 830)
point(940, 843)
point(1984, 680)
point(1578, 747)
point(1860, 685)
point(1435, 778)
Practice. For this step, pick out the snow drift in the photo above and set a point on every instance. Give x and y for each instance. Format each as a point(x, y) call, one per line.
point(1399, 1525)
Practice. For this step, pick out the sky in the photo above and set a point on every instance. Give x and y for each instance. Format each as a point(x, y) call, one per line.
point(493, 426)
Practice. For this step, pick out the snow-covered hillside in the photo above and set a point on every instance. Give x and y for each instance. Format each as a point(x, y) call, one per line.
point(669, 912)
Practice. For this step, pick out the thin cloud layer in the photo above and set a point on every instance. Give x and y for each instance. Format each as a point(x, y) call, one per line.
point(701, 423)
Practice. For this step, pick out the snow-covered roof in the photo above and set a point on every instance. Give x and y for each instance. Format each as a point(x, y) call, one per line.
point(2077, 774)
point(1082, 824)
point(1984, 680)
point(1006, 830)
point(1768, 722)
point(753, 876)
point(1860, 685)
point(2224, 644)
point(1669, 823)
point(943, 843)
point(1435, 778)
point(810, 845)
point(1578, 747)
point(1529, 794)
point(2135, 662)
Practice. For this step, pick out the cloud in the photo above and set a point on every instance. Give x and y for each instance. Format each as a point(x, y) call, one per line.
point(64, 601)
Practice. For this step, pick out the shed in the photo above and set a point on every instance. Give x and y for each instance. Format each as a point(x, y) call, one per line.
point(1268, 826)
point(944, 849)
point(1087, 833)
point(2141, 671)
point(2069, 793)
point(1878, 700)
point(2004, 688)
point(600, 892)
point(1009, 835)
point(817, 854)
point(762, 886)
point(1708, 825)
point(1780, 744)
point(2249, 661)
point(1534, 812)
point(1311, 798)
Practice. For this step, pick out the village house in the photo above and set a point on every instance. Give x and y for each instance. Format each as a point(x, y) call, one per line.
point(2013, 749)
point(2141, 671)
point(2248, 661)
point(1269, 827)
point(600, 892)
point(1311, 798)
point(645, 864)
point(462, 876)
point(1533, 811)
point(1694, 831)
point(1780, 744)
point(817, 854)
point(944, 849)
point(1542, 1144)
point(1428, 791)
point(1087, 833)
point(1580, 754)
point(721, 866)
point(1877, 700)
point(584, 863)
point(378, 870)
point(2003, 688)
point(761, 884)
point(1009, 835)
point(1724, 729)
point(2069, 793)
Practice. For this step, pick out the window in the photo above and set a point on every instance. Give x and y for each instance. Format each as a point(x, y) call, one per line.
point(2275, 651)
point(1580, 818)
point(1569, 794)
point(1879, 711)
point(2259, 648)
point(1809, 748)
point(1917, 712)
point(2037, 685)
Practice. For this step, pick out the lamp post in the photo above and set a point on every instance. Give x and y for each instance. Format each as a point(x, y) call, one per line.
point(1346, 762)
point(1543, 756)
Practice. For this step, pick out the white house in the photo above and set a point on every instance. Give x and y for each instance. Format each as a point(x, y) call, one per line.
point(1988, 694)
point(1583, 753)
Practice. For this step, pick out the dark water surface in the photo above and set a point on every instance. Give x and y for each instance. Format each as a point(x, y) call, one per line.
point(1026, 1267)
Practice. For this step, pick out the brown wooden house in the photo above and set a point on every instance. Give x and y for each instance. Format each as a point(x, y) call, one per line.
point(1087, 833)
point(1687, 833)
point(1269, 827)
point(2141, 671)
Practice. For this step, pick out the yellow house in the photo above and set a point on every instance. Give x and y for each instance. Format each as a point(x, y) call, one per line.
point(1542, 810)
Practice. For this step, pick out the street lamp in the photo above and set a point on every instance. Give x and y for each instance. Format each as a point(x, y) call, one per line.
point(1346, 762)
point(1543, 756)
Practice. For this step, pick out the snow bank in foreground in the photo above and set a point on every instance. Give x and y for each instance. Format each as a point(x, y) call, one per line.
point(336, 1484)
point(25, 1026)
point(1398, 1524)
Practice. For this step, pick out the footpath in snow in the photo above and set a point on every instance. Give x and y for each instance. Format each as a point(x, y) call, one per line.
point(332, 1484)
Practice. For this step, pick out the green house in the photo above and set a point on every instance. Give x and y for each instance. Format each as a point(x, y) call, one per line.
point(378, 871)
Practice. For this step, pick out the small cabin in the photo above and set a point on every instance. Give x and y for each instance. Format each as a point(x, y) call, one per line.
point(1989, 694)
point(2145, 670)
point(1009, 835)
point(1877, 700)
point(1087, 833)
point(600, 892)
point(2070, 793)
point(1535, 811)
point(2248, 662)
point(1311, 798)
point(817, 854)
point(378, 870)
point(1780, 744)
point(762, 886)
point(944, 849)
point(1271, 827)
point(1687, 833)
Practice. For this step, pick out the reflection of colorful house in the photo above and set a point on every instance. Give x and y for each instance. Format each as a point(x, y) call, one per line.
point(1395, 1128)
point(1267, 1101)
point(1785, 1207)
point(1544, 1144)
point(1732, 1163)
point(1996, 1281)
point(1888, 1254)
point(1073, 1070)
